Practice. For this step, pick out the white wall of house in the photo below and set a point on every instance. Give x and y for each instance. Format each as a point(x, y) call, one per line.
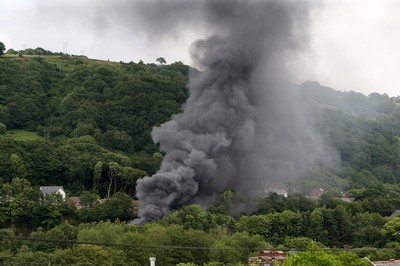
point(62, 193)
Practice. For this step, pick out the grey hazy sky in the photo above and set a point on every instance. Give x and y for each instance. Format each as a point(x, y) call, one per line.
point(354, 44)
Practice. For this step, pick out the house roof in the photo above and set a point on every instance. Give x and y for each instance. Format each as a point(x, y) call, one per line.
point(347, 199)
point(271, 253)
point(75, 200)
point(395, 213)
point(318, 190)
point(279, 191)
point(387, 263)
point(50, 189)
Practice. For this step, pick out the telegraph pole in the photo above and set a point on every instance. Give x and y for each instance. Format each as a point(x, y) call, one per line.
point(46, 135)
point(65, 48)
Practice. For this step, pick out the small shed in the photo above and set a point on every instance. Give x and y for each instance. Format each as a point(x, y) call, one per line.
point(316, 193)
point(75, 201)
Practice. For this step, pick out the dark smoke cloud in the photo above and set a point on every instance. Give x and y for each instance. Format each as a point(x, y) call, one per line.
point(243, 126)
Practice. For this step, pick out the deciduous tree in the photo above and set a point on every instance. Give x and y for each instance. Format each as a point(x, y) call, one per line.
point(161, 60)
point(2, 48)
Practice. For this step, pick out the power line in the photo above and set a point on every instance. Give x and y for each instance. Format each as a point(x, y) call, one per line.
point(191, 248)
point(115, 244)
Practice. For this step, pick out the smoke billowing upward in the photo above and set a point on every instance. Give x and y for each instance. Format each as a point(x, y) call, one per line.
point(242, 126)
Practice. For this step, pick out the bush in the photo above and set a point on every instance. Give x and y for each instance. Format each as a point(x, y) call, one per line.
point(3, 128)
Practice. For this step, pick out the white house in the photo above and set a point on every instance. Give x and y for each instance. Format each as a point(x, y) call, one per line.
point(48, 190)
point(271, 189)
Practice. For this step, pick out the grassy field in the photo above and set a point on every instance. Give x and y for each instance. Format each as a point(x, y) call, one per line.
point(23, 135)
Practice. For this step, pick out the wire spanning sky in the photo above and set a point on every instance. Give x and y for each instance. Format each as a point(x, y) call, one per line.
point(353, 43)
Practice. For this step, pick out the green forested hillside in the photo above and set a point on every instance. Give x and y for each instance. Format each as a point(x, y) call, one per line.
point(83, 112)
point(85, 124)
point(74, 96)
point(364, 129)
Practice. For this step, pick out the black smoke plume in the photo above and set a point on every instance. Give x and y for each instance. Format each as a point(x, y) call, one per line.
point(243, 126)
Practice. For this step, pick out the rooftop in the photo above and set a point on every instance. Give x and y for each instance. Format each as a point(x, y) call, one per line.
point(50, 189)
point(387, 263)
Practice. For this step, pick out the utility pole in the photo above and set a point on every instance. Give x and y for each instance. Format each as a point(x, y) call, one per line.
point(65, 48)
point(46, 135)
point(369, 261)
